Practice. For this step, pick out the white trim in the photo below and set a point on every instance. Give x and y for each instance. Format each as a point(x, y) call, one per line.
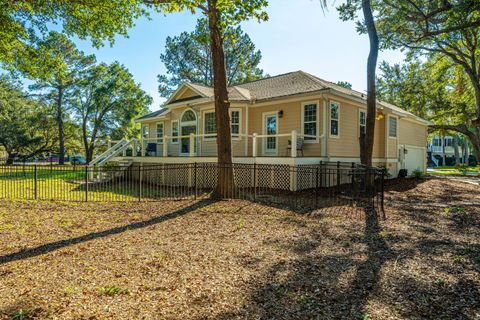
point(210, 110)
point(337, 136)
point(171, 131)
point(186, 124)
point(317, 121)
point(204, 117)
point(181, 89)
point(264, 132)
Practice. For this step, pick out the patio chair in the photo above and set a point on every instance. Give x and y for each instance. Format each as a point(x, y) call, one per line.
point(151, 149)
point(299, 146)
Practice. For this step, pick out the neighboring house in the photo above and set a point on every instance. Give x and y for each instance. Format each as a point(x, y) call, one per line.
point(441, 150)
point(266, 115)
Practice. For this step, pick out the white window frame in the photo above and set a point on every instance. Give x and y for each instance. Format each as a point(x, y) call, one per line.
point(396, 131)
point(204, 118)
point(172, 140)
point(160, 139)
point(330, 119)
point(264, 132)
point(239, 137)
point(360, 111)
point(317, 104)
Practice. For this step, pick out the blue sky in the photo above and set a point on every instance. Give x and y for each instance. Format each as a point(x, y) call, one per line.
point(298, 36)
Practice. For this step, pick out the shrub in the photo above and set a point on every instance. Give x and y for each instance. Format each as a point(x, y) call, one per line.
point(462, 167)
point(111, 291)
point(418, 174)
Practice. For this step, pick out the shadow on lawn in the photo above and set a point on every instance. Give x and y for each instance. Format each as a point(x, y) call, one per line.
point(317, 287)
point(434, 279)
point(49, 247)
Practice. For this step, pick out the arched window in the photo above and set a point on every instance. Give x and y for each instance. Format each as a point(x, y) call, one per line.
point(189, 116)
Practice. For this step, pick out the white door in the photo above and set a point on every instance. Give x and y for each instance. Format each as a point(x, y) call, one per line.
point(414, 159)
point(270, 128)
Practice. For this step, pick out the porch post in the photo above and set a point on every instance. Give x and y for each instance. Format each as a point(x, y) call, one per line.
point(294, 144)
point(135, 146)
point(165, 146)
point(254, 145)
point(142, 147)
point(192, 145)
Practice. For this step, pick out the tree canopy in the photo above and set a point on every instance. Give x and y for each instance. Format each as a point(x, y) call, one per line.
point(188, 58)
point(107, 102)
point(25, 124)
point(22, 20)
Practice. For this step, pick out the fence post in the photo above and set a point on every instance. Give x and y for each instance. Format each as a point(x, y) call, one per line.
point(86, 183)
point(338, 176)
point(195, 179)
point(316, 186)
point(254, 145)
point(382, 196)
point(35, 182)
point(254, 181)
point(140, 182)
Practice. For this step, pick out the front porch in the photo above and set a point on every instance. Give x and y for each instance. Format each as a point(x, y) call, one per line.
point(246, 149)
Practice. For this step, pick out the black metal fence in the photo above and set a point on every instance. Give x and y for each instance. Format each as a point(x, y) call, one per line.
point(303, 187)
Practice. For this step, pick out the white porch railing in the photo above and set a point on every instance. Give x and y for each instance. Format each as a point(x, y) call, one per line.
point(252, 145)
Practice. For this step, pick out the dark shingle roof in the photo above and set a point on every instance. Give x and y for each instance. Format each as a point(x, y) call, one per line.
point(153, 114)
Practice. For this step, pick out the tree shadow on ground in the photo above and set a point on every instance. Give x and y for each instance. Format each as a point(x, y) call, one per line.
point(319, 286)
point(52, 246)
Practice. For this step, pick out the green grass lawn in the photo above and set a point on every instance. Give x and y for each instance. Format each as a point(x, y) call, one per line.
point(67, 184)
point(455, 171)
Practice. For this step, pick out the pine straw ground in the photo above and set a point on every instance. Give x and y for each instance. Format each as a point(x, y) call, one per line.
point(237, 260)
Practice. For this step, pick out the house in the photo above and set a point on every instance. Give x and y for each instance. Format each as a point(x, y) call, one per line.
point(266, 115)
point(449, 150)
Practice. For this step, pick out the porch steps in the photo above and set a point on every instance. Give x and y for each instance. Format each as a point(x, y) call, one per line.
point(112, 152)
point(102, 176)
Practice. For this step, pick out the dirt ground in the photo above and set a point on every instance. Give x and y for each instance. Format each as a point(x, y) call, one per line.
point(238, 260)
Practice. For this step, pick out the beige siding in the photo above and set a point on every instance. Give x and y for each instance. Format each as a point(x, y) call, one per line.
point(291, 120)
point(413, 134)
point(345, 146)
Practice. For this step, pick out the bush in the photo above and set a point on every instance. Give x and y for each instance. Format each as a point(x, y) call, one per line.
point(462, 167)
point(418, 174)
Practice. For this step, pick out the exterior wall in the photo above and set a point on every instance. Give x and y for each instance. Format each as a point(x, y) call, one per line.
point(291, 120)
point(345, 147)
point(412, 134)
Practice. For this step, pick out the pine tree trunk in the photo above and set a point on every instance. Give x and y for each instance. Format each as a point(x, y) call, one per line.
point(366, 150)
point(61, 133)
point(225, 182)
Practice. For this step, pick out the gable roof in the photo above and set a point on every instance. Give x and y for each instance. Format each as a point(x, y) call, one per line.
point(283, 85)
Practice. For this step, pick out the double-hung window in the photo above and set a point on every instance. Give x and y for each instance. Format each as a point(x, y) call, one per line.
point(310, 120)
point(160, 132)
point(174, 131)
point(392, 127)
point(235, 123)
point(362, 122)
point(210, 126)
point(334, 119)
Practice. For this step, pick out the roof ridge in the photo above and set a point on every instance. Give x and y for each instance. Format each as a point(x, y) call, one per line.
point(267, 78)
